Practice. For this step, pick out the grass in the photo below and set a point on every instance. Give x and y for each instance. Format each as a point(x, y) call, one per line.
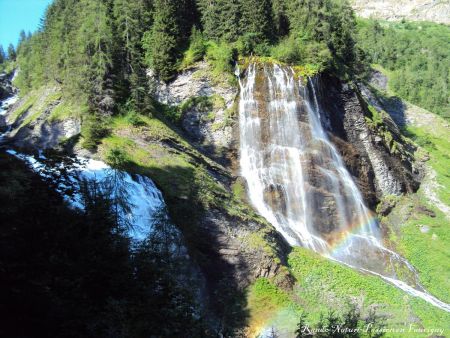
point(435, 141)
point(40, 108)
point(269, 305)
point(65, 110)
point(427, 251)
point(300, 70)
point(323, 285)
point(25, 107)
point(35, 103)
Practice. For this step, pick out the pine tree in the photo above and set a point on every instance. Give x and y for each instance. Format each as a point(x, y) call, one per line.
point(2, 55)
point(94, 42)
point(257, 19)
point(161, 42)
point(302, 327)
point(209, 10)
point(187, 16)
point(281, 21)
point(220, 19)
point(11, 52)
point(131, 18)
point(22, 40)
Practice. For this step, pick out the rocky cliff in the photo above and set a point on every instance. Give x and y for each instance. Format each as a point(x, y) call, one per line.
point(417, 10)
point(371, 144)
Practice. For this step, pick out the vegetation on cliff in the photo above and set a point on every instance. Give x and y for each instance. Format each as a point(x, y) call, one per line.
point(417, 58)
point(98, 50)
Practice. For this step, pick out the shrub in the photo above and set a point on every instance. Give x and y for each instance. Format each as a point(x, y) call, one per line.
point(287, 51)
point(221, 56)
point(197, 49)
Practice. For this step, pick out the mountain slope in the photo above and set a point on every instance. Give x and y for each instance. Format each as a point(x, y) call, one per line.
point(416, 10)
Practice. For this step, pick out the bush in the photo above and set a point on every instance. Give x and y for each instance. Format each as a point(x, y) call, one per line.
point(197, 49)
point(287, 51)
point(134, 119)
point(221, 56)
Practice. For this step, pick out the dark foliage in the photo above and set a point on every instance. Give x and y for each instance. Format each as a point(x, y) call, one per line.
point(70, 273)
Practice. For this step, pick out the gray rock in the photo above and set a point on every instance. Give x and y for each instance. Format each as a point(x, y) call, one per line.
point(209, 129)
point(424, 229)
point(377, 169)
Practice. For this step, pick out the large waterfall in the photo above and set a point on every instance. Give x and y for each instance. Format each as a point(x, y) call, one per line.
point(297, 180)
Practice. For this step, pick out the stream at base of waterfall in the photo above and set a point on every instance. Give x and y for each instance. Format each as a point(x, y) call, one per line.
point(297, 180)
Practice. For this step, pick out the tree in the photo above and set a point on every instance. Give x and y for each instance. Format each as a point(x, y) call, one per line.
point(281, 22)
point(22, 40)
point(2, 55)
point(161, 42)
point(131, 19)
point(325, 24)
point(11, 52)
point(345, 325)
point(94, 42)
point(257, 19)
point(221, 19)
point(302, 327)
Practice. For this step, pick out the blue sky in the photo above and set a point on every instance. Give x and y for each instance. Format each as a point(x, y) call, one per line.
point(16, 15)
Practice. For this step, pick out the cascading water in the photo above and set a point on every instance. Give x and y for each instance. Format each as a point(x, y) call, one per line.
point(297, 180)
point(144, 199)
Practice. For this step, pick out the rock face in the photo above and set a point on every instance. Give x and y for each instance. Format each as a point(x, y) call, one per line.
point(417, 10)
point(6, 88)
point(235, 249)
point(33, 129)
point(207, 108)
point(368, 150)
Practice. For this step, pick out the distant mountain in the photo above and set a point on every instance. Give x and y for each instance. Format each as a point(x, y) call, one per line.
point(417, 10)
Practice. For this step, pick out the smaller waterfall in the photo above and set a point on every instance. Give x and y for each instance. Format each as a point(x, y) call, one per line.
point(8, 103)
point(298, 181)
point(4, 106)
point(144, 198)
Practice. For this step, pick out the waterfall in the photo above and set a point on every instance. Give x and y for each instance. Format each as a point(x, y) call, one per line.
point(298, 181)
point(144, 199)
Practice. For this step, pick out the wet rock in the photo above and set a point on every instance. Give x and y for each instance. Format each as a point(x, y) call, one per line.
point(6, 87)
point(378, 169)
